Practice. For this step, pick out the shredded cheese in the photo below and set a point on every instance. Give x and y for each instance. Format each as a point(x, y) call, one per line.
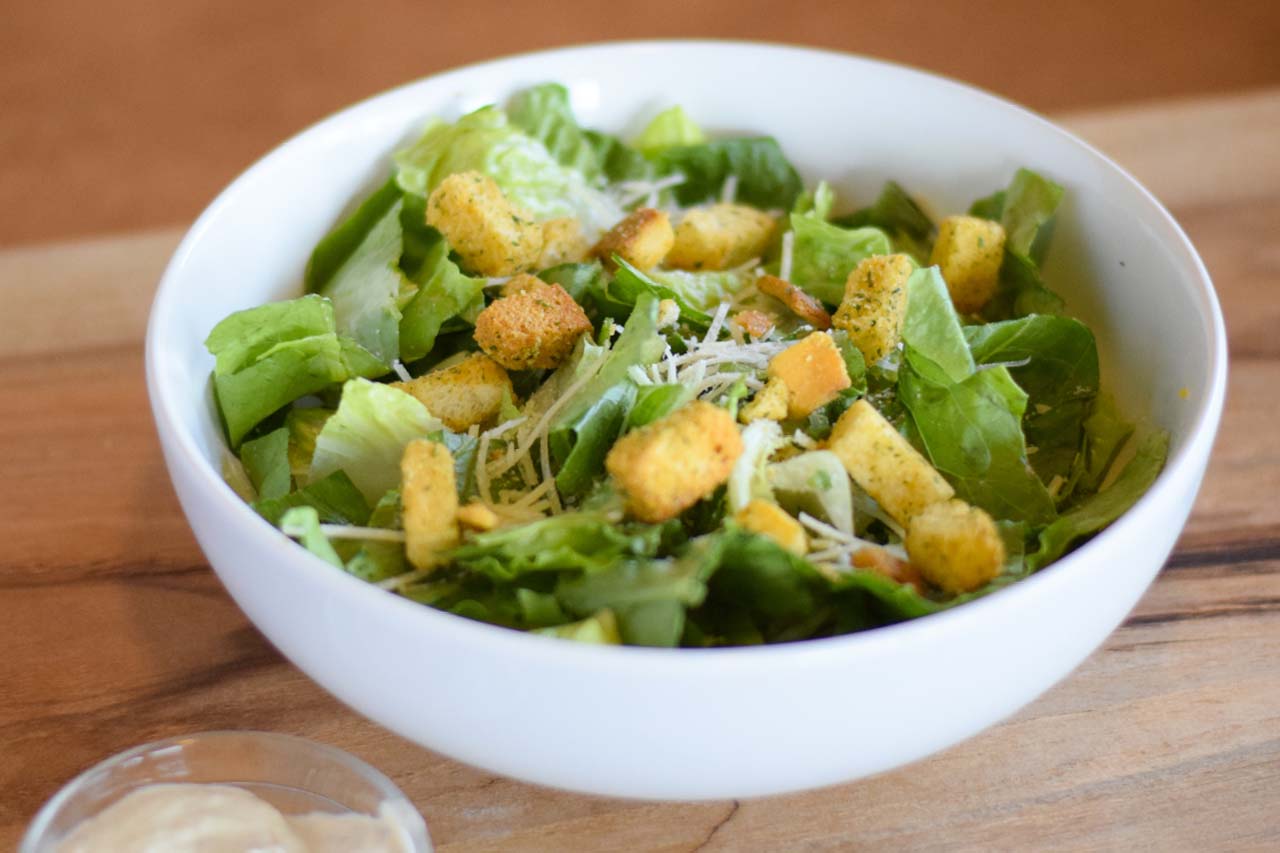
point(788, 252)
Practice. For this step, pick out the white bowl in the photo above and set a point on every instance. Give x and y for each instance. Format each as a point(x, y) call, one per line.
point(728, 722)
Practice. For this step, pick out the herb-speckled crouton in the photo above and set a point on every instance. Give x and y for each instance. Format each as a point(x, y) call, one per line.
point(885, 464)
point(969, 252)
point(955, 546)
point(642, 239)
point(534, 327)
point(493, 236)
point(562, 243)
point(719, 237)
point(429, 501)
point(669, 465)
point(769, 519)
point(769, 403)
point(875, 304)
point(814, 372)
point(463, 394)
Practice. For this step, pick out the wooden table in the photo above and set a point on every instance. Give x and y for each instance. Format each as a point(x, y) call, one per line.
point(1169, 737)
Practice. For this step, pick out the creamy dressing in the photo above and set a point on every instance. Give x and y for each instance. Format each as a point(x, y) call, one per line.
point(192, 818)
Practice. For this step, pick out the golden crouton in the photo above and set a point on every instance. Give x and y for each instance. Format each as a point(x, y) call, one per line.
point(562, 243)
point(669, 465)
point(813, 371)
point(642, 239)
point(885, 464)
point(955, 546)
point(429, 501)
point(493, 236)
point(770, 402)
point(880, 561)
point(535, 327)
point(801, 304)
point(769, 519)
point(477, 516)
point(875, 304)
point(755, 323)
point(469, 392)
point(969, 252)
point(719, 237)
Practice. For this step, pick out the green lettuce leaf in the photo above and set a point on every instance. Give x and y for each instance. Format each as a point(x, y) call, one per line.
point(630, 285)
point(671, 128)
point(931, 327)
point(544, 113)
point(444, 293)
point(600, 628)
point(648, 596)
point(332, 252)
point(702, 290)
point(1027, 213)
point(372, 560)
point(1107, 505)
point(303, 523)
point(749, 478)
point(825, 254)
point(303, 425)
point(266, 461)
point(816, 204)
point(486, 141)
point(814, 482)
point(269, 356)
point(765, 178)
point(656, 401)
point(972, 432)
point(1060, 378)
point(619, 161)
point(367, 435)
point(897, 214)
point(334, 497)
point(1105, 432)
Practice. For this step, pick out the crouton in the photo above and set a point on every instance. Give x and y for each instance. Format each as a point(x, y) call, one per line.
point(875, 304)
point(429, 502)
point(669, 465)
point(769, 519)
point(493, 236)
point(969, 252)
point(719, 237)
point(801, 304)
point(880, 561)
point(535, 327)
point(477, 516)
point(464, 394)
point(955, 546)
point(562, 243)
point(814, 372)
point(770, 402)
point(642, 239)
point(885, 464)
point(755, 323)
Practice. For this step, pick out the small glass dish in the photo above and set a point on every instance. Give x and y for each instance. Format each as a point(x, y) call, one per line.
point(295, 775)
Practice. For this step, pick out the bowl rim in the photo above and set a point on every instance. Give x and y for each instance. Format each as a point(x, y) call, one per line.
point(1180, 464)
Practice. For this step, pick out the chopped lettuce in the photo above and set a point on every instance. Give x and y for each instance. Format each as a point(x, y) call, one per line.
point(1095, 513)
point(931, 327)
point(375, 560)
point(702, 290)
point(897, 214)
point(600, 628)
point(303, 425)
point(266, 461)
point(544, 113)
point(1105, 432)
point(367, 435)
point(334, 497)
point(331, 253)
point(443, 294)
point(671, 128)
point(815, 482)
point(825, 254)
point(1027, 213)
point(656, 401)
point(303, 523)
point(648, 596)
point(630, 285)
point(765, 177)
point(749, 478)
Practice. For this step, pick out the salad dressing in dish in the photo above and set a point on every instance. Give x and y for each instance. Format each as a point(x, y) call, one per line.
point(659, 392)
point(196, 818)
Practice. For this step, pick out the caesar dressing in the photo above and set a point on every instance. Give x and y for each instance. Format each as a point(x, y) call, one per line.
point(194, 818)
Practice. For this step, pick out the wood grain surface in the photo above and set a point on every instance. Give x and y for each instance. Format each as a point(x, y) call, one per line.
point(123, 114)
point(1168, 738)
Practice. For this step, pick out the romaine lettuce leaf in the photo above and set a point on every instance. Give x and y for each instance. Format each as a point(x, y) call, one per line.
point(486, 141)
point(825, 254)
point(749, 478)
point(629, 285)
point(367, 435)
point(972, 432)
point(303, 425)
point(817, 483)
point(648, 596)
point(816, 203)
point(765, 178)
point(373, 560)
point(335, 497)
point(443, 294)
point(341, 243)
point(656, 401)
point(702, 290)
point(600, 628)
point(365, 290)
point(1027, 213)
point(1105, 432)
point(619, 161)
point(1060, 378)
point(670, 128)
point(269, 356)
point(544, 113)
point(898, 215)
point(931, 327)
point(266, 461)
point(1107, 505)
